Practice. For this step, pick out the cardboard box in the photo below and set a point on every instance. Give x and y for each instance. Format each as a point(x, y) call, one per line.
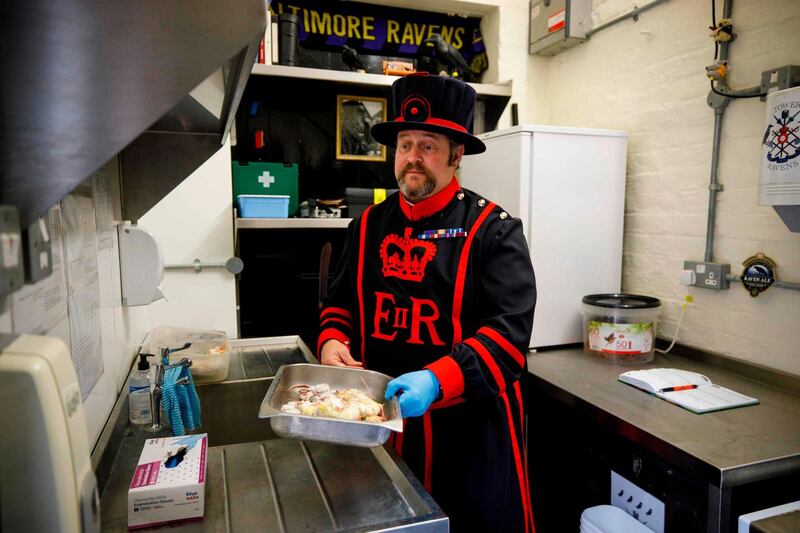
point(169, 482)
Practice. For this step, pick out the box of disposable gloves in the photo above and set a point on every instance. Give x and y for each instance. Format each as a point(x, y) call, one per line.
point(169, 482)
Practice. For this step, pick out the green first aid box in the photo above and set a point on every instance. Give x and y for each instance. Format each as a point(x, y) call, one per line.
point(266, 178)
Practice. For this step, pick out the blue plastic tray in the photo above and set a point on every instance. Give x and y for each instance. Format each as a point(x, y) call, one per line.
point(263, 206)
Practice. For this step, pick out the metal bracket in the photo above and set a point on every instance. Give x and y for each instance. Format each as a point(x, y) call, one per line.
point(717, 101)
point(781, 78)
point(716, 187)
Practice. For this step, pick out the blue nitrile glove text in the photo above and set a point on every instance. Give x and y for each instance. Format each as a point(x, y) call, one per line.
point(419, 390)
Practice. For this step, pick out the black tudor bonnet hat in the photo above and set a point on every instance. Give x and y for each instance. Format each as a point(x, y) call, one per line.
point(431, 103)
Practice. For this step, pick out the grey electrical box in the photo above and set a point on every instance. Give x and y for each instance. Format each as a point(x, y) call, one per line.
point(11, 274)
point(37, 251)
point(709, 275)
point(556, 25)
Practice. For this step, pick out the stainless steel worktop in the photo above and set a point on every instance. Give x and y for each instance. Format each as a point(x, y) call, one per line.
point(257, 482)
point(289, 485)
point(725, 448)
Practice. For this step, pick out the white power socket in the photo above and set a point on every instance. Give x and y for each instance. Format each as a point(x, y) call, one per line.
point(637, 502)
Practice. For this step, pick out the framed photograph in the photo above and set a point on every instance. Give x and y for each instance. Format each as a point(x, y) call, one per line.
point(355, 115)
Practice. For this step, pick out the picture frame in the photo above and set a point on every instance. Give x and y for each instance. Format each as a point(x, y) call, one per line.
point(355, 115)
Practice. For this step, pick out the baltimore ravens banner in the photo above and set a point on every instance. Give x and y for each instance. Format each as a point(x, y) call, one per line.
point(384, 31)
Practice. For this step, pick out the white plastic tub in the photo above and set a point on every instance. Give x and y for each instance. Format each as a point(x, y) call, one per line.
point(210, 350)
point(609, 519)
point(620, 328)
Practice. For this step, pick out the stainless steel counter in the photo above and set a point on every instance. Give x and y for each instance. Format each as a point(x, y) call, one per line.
point(724, 448)
point(257, 482)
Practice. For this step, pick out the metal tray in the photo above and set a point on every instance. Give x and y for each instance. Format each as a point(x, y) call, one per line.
point(332, 430)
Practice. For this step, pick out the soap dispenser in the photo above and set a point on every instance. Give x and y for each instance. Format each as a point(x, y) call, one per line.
point(139, 390)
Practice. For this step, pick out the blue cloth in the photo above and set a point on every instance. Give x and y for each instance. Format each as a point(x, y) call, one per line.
point(419, 390)
point(180, 402)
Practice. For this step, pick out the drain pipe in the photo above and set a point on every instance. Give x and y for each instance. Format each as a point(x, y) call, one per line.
point(719, 103)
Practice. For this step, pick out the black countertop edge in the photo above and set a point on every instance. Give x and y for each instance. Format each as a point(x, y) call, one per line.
point(744, 474)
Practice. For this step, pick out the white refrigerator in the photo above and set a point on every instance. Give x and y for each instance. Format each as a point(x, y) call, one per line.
point(568, 187)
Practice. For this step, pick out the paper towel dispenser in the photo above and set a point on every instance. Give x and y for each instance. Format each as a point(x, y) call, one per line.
point(141, 266)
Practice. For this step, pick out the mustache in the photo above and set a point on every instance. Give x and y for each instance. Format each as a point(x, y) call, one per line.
point(415, 167)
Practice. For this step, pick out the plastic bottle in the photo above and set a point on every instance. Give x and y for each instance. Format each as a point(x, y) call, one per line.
point(139, 389)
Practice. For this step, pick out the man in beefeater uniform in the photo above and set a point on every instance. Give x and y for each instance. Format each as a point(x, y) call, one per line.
point(436, 287)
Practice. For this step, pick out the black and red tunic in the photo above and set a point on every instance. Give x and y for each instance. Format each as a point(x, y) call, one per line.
point(447, 284)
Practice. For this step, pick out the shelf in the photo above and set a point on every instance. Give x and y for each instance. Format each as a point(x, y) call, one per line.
point(291, 223)
point(339, 76)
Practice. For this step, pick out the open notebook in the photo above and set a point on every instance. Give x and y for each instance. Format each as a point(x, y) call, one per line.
point(690, 390)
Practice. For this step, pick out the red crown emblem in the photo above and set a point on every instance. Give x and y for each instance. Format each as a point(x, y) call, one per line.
point(406, 258)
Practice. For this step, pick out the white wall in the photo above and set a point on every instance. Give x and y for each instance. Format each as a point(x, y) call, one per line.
point(647, 77)
point(195, 221)
point(121, 328)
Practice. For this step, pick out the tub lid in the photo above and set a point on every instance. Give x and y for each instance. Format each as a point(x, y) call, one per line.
point(622, 301)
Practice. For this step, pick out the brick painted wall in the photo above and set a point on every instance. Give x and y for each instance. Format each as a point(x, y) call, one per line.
point(647, 77)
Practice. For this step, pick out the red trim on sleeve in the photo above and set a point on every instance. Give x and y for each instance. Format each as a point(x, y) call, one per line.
point(329, 334)
point(504, 344)
point(461, 275)
point(490, 363)
point(429, 206)
point(441, 404)
point(336, 311)
point(336, 319)
point(360, 283)
point(426, 423)
point(450, 377)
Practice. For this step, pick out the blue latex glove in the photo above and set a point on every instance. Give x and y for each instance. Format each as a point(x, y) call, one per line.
point(418, 391)
point(189, 441)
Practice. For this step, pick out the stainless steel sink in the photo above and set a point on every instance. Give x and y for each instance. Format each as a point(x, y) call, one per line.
point(257, 482)
point(230, 408)
point(230, 411)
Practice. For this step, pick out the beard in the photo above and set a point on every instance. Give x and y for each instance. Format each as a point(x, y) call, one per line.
point(416, 191)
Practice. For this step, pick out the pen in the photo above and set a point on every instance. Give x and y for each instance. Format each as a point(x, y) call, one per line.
point(679, 387)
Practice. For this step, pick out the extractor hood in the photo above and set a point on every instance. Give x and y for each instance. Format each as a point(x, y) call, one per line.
point(155, 81)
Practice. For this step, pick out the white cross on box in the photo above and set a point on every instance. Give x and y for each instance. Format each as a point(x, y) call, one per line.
point(266, 179)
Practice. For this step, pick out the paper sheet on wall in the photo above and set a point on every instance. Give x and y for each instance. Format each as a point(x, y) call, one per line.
point(41, 308)
point(80, 246)
point(102, 187)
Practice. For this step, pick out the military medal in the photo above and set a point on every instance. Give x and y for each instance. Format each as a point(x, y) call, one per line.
point(446, 233)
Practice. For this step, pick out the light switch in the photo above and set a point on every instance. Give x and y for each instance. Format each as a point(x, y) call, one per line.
point(37, 251)
point(12, 276)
